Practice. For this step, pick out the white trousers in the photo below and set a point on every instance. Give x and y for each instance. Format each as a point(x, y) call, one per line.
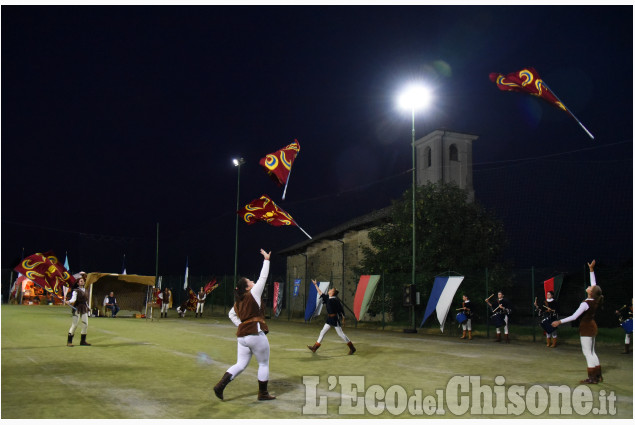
point(199, 307)
point(338, 329)
point(627, 339)
point(553, 334)
point(164, 307)
point(75, 322)
point(467, 325)
point(506, 328)
point(588, 349)
point(258, 345)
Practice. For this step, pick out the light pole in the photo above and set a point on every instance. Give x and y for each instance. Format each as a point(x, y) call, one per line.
point(413, 98)
point(237, 163)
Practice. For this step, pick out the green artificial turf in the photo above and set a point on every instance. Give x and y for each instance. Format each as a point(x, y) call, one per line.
point(166, 368)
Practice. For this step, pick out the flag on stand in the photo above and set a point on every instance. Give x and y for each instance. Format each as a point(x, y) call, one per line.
point(66, 266)
point(278, 164)
point(554, 284)
point(278, 290)
point(264, 209)
point(441, 297)
point(45, 271)
point(187, 271)
point(123, 265)
point(528, 81)
point(364, 294)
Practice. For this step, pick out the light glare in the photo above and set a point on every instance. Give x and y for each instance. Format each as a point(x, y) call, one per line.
point(415, 97)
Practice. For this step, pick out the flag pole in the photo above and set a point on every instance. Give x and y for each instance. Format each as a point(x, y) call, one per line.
point(298, 226)
point(284, 193)
point(569, 111)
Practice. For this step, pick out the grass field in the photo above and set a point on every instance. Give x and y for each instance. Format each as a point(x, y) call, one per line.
point(137, 368)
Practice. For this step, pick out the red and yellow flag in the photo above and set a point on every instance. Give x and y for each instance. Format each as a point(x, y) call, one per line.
point(46, 271)
point(528, 81)
point(210, 286)
point(264, 209)
point(278, 164)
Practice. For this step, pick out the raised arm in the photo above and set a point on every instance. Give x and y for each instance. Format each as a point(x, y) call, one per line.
point(592, 273)
point(316, 287)
point(259, 286)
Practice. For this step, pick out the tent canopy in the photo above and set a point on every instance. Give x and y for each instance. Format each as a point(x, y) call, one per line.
point(130, 289)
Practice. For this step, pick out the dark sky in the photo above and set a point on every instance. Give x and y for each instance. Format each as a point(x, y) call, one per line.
point(116, 118)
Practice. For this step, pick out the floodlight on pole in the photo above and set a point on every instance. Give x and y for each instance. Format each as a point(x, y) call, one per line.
point(413, 98)
point(237, 163)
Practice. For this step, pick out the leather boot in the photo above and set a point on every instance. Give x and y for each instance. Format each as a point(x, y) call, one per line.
point(463, 336)
point(554, 342)
point(507, 338)
point(548, 341)
point(69, 342)
point(83, 341)
point(598, 374)
point(498, 337)
point(263, 394)
point(469, 335)
point(626, 348)
point(591, 379)
point(218, 388)
point(314, 347)
point(195, 314)
point(351, 347)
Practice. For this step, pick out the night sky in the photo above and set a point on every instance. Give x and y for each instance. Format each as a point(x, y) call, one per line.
point(116, 118)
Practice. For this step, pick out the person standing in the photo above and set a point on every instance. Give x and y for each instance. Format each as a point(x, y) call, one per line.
point(248, 313)
point(335, 318)
point(588, 328)
point(503, 309)
point(624, 315)
point(200, 302)
point(466, 308)
point(165, 301)
point(79, 300)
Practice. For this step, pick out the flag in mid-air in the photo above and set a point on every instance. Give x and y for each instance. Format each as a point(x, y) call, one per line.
point(264, 209)
point(278, 164)
point(441, 297)
point(210, 286)
point(364, 294)
point(528, 81)
point(313, 303)
point(46, 271)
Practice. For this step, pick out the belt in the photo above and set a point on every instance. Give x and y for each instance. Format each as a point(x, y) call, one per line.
point(332, 315)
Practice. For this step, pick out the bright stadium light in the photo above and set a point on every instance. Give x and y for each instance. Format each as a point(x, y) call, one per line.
point(415, 97)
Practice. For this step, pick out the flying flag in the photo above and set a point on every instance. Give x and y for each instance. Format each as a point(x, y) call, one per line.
point(45, 270)
point(528, 81)
point(264, 209)
point(66, 266)
point(278, 164)
point(313, 303)
point(364, 294)
point(210, 286)
point(554, 284)
point(441, 297)
point(192, 299)
point(278, 290)
point(187, 271)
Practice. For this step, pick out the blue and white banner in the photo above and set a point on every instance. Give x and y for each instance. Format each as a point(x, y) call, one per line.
point(313, 303)
point(441, 297)
point(296, 287)
point(187, 272)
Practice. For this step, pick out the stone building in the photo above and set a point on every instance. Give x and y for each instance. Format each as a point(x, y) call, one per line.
point(441, 156)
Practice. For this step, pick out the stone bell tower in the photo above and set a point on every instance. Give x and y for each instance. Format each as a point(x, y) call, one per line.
point(445, 156)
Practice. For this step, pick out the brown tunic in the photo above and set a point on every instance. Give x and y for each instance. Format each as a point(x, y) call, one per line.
point(588, 327)
point(81, 302)
point(250, 314)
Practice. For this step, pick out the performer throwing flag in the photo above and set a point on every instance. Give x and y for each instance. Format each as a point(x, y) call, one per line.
point(248, 313)
point(588, 328)
point(335, 318)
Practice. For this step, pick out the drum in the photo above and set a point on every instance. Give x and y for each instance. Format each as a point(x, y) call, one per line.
point(498, 320)
point(627, 325)
point(461, 318)
point(546, 324)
